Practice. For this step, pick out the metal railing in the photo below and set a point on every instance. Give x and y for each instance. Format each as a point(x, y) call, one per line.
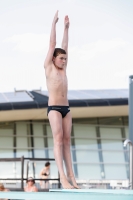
point(22, 160)
point(131, 161)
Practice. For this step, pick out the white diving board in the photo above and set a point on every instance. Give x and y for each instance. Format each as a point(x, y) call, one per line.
point(103, 191)
point(73, 194)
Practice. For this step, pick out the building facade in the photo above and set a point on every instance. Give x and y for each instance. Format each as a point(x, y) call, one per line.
point(100, 126)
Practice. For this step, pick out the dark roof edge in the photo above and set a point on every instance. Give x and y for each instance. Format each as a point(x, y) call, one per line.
point(43, 103)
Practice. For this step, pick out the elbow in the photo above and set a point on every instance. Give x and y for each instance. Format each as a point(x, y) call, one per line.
point(64, 46)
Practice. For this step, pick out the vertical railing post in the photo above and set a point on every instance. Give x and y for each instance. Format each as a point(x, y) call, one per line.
point(131, 167)
point(131, 108)
point(59, 184)
point(33, 167)
point(22, 172)
point(27, 169)
point(127, 141)
point(131, 128)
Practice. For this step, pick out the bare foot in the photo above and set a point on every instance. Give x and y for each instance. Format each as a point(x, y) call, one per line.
point(65, 183)
point(73, 181)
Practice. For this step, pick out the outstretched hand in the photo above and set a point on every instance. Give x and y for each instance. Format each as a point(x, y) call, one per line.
point(66, 21)
point(56, 17)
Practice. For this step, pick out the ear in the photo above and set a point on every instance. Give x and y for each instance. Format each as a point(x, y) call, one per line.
point(53, 59)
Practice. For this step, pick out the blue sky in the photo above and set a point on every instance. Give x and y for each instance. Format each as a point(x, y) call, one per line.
point(100, 42)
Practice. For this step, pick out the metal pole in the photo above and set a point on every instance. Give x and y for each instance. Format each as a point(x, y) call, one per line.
point(27, 172)
point(33, 167)
point(59, 184)
point(131, 167)
point(127, 141)
point(131, 108)
point(22, 172)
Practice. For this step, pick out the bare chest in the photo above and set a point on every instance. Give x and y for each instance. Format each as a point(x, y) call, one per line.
point(58, 78)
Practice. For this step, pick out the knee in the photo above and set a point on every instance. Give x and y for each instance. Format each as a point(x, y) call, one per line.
point(58, 138)
point(67, 140)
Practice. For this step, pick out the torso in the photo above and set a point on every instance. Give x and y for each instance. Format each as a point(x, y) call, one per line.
point(30, 189)
point(47, 171)
point(57, 85)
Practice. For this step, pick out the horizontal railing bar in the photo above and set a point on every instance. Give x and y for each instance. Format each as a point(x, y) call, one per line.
point(9, 159)
point(40, 159)
point(72, 149)
point(72, 137)
point(98, 163)
point(18, 179)
point(19, 159)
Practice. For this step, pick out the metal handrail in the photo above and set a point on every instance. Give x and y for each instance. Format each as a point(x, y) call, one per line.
point(22, 159)
point(127, 141)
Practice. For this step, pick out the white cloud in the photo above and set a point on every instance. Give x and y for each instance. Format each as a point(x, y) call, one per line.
point(29, 42)
point(92, 50)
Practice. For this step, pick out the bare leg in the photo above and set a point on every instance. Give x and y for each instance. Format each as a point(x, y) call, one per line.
point(67, 124)
point(55, 119)
point(46, 184)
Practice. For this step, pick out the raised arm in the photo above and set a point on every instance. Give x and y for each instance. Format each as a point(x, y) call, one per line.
point(65, 35)
point(52, 43)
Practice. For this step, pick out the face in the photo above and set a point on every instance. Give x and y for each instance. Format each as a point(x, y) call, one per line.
point(60, 60)
point(48, 167)
point(30, 183)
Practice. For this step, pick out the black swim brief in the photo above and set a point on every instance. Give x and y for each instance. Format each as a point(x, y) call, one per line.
point(62, 109)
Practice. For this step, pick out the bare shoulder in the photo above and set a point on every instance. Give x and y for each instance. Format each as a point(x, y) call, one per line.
point(48, 65)
point(35, 189)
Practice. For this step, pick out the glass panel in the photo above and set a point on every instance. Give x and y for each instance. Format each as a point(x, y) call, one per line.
point(88, 172)
point(6, 131)
point(115, 171)
point(24, 152)
point(5, 143)
point(21, 129)
point(50, 137)
point(22, 141)
point(107, 134)
point(85, 144)
point(39, 143)
point(53, 170)
point(127, 132)
point(85, 131)
point(7, 169)
point(87, 156)
point(6, 153)
point(38, 129)
point(112, 145)
point(113, 133)
point(17, 170)
point(49, 132)
point(113, 157)
point(51, 153)
point(39, 153)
